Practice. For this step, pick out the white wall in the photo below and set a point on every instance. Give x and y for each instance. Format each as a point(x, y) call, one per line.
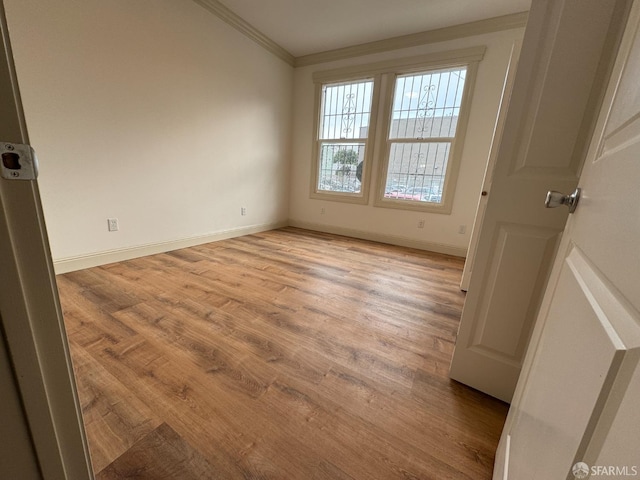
point(154, 112)
point(389, 224)
point(159, 114)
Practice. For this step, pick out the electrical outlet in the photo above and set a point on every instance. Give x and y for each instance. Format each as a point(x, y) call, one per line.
point(322, 211)
point(112, 224)
point(243, 211)
point(420, 223)
point(462, 229)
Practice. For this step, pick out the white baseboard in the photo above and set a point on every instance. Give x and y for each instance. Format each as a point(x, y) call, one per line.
point(382, 238)
point(70, 264)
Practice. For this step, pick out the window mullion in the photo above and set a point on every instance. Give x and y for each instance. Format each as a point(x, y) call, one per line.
point(421, 140)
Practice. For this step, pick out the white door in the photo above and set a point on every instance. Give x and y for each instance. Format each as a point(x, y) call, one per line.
point(34, 360)
point(491, 163)
point(577, 406)
point(558, 86)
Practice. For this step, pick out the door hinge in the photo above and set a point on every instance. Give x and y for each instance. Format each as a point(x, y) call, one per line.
point(19, 161)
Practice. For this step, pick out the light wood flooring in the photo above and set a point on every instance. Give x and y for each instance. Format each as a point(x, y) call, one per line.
point(281, 355)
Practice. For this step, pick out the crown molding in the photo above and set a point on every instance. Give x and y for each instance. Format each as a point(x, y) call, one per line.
point(403, 65)
point(490, 25)
point(237, 22)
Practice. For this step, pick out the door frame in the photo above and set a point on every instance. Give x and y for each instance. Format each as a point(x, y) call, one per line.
point(32, 324)
point(505, 97)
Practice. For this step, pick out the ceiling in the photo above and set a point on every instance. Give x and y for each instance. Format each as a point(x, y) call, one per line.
point(303, 27)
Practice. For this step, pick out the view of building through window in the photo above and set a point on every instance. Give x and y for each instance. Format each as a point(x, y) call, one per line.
point(424, 117)
point(423, 114)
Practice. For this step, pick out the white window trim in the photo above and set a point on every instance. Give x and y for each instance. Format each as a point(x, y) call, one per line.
point(377, 153)
point(363, 196)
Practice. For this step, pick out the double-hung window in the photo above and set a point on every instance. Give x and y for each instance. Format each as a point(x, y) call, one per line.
point(424, 106)
point(423, 119)
point(342, 145)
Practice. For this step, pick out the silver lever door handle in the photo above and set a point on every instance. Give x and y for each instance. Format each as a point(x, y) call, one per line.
point(555, 199)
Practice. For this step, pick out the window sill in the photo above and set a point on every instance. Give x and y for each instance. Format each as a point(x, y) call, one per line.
point(356, 198)
point(427, 207)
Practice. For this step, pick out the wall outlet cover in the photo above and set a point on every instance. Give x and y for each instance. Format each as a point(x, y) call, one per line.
point(112, 224)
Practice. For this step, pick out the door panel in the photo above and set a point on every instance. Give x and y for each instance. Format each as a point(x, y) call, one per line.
point(526, 248)
point(587, 336)
point(610, 444)
point(617, 162)
point(621, 112)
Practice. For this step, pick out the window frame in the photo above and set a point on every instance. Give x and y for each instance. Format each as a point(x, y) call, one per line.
point(455, 150)
point(378, 144)
point(363, 196)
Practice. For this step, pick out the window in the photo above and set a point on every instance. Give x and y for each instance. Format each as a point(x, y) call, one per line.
point(422, 127)
point(343, 132)
point(424, 103)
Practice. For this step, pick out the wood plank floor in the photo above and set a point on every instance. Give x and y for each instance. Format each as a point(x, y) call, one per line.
point(281, 355)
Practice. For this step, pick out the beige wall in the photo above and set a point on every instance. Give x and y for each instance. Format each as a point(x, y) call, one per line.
point(154, 112)
point(159, 114)
point(398, 226)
